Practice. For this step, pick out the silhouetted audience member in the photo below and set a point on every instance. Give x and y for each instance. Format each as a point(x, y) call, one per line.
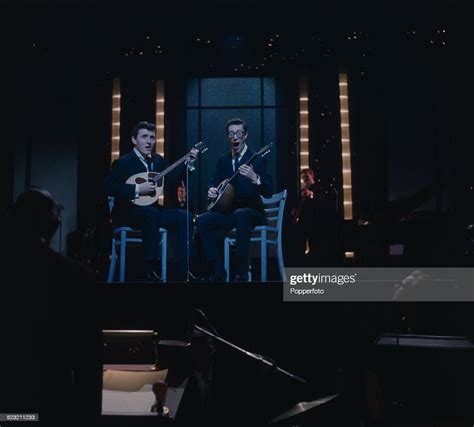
point(50, 343)
point(422, 286)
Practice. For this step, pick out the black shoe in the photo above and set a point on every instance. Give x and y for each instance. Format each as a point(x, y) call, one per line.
point(152, 276)
point(241, 278)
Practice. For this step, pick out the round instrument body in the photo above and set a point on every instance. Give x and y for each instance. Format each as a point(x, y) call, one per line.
point(223, 202)
point(142, 177)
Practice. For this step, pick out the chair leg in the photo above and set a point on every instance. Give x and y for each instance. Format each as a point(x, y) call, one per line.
point(164, 251)
point(113, 262)
point(123, 247)
point(263, 254)
point(227, 258)
point(280, 262)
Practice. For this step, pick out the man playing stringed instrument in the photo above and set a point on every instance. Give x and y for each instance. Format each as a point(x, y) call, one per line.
point(245, 210)
point(149, 218)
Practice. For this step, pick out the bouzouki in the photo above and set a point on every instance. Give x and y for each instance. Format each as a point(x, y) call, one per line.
point(225, 192)
point(158, 178)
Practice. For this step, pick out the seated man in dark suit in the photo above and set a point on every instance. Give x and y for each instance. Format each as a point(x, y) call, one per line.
point(149, 218)
point(246, 211)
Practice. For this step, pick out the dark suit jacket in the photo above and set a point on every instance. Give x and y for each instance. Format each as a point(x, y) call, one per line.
point(247, 194)
point(126, 166)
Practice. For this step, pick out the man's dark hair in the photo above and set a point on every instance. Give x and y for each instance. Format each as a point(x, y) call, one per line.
point(309, 171)
point(235, 121)
point(143, 125)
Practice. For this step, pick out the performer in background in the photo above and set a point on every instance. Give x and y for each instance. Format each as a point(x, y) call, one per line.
point(246, 211)
point(148, 218)
point(315, 219)
point(179, 199)
point(305, 214)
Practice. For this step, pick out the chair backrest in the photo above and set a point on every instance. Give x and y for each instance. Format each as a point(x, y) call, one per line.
point(274, 207)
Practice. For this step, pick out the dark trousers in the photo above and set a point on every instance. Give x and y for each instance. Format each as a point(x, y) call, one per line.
point(149, 219)
point(243, 220)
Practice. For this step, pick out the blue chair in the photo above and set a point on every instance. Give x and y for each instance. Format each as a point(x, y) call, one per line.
point(264, 235)
point(121, 237)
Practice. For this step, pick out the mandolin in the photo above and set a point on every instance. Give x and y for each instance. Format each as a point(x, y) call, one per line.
point(225, 191)
point(158, 178)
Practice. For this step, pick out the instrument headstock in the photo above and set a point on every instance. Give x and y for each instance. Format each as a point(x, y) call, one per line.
point(201, 147)
point(265, 150)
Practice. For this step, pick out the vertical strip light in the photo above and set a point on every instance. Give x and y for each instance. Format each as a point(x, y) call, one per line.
point(304, 133)
point(160, 123)
point(304, 123)
point(115, 145)
point(346, 146)
point(160, 118)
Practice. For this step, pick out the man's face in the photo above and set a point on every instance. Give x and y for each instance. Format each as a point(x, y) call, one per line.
point(181, 193)
point(307, 178)
point(144, 142)
point(236, 136)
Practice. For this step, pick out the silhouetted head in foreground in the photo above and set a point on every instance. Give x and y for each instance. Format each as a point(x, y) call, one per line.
point(35, 215)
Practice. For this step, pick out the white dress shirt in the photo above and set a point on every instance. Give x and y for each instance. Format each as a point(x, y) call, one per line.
point(142, 159)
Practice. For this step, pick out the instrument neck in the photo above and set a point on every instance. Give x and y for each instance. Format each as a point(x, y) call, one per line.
point(171, 167)
point(246, 163)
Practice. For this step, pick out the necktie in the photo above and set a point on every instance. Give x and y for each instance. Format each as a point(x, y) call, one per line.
point(149, 163)
point(236, 161)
